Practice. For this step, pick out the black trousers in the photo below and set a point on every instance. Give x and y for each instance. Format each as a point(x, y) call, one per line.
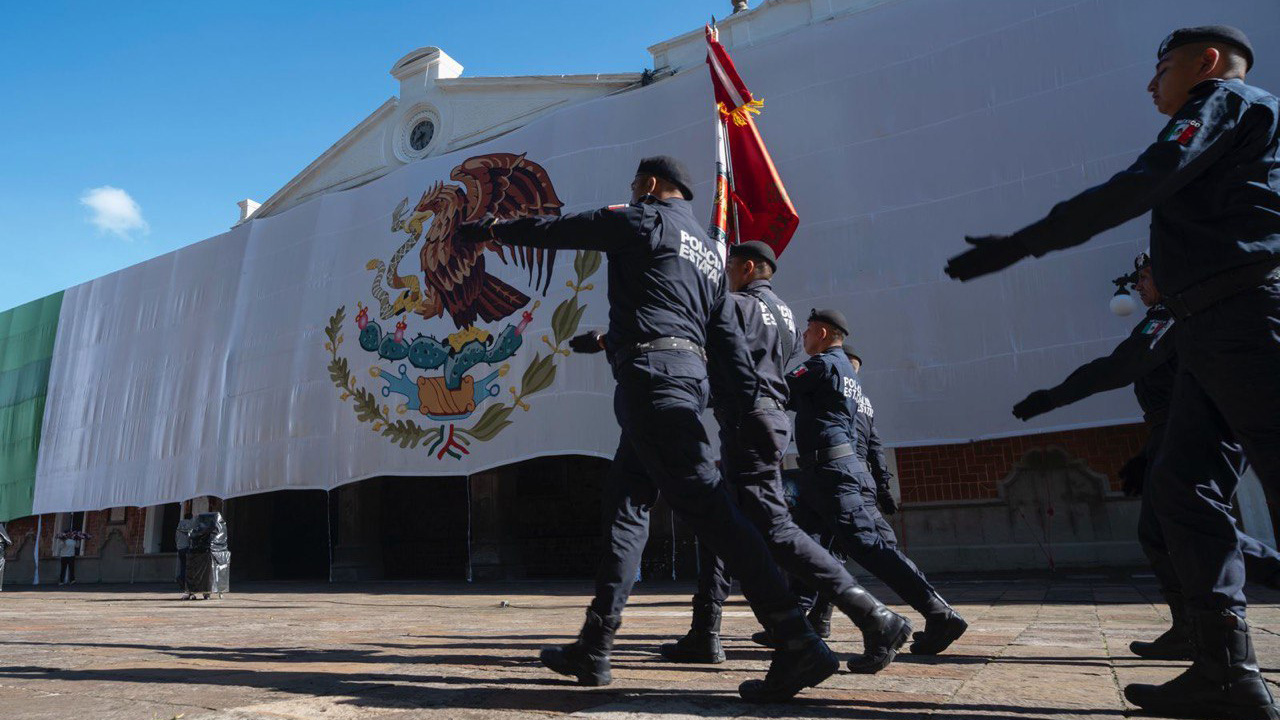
point(1262, 564)
point(840, 496)
point(756, 480)
point(67, 569)
point(665, 449)
point(182, 569)
point(1229, 372)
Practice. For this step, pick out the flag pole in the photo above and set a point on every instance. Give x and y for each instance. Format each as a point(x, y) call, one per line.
point(39, 526)
point(734, 232)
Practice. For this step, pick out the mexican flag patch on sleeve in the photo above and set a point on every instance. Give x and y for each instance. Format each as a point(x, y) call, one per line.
point(1181, 131)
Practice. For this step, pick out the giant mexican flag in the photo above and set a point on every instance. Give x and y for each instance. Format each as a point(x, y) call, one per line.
point(26, 350)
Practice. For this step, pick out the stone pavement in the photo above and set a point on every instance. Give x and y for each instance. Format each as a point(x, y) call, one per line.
point(1038, 647)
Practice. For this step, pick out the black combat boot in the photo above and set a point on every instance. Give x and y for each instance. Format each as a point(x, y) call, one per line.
point(820, 617)
point(702, 643)
point(586, 658)
point(800, 660)
point(942, 626)
point(1176, 643)
point(883, 630)
point(1223, 682)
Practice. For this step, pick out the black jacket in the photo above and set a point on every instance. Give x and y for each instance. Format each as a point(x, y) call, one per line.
point(666, 279)
point(1146, 358)
point(823, 392)
point(1211, 182)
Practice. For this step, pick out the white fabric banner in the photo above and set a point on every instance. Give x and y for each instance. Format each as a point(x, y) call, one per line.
point(245, 363)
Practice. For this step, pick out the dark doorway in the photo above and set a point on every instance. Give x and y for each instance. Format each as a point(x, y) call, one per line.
point(280, 535)
point(555, 508)
point(424, 528)
point(169, 516)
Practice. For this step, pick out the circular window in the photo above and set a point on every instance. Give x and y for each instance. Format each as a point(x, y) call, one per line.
point(421, 134)
point(416, 135)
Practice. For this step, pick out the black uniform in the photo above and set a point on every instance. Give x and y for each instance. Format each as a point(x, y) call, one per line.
point(666, 280)
point(1212, 184)
point(757, 479)
point(837, 487)
point(1148, 360)
point(871, 452)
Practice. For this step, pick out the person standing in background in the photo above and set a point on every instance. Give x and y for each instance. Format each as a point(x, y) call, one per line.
point(67, 547)
point(182, 542)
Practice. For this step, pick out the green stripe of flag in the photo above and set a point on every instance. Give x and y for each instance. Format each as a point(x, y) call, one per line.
point(27, 333)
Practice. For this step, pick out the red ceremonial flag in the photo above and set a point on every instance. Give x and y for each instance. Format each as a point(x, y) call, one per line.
point(764, 212)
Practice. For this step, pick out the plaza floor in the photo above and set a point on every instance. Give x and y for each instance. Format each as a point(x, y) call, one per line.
point(1038, 647)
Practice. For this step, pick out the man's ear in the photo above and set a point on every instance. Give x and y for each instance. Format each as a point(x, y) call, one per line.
point(1210, 58)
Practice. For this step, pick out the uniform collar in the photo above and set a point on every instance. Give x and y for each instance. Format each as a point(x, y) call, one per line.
point(1207, 86)
point(674, 203)
point(758, 283)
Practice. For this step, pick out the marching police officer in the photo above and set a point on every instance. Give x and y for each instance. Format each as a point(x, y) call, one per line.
point(837, 485)
point(666, 302)
point(870, 451)
point(755, 474)
point(1148, 360)
point(1211, 183)
point(873, 452)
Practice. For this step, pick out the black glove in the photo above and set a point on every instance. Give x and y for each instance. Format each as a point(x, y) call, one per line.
point(1132, 475)
point(1037, 403)
point(884, 498)
point(475, 232)
point(587, 343)
point(988, 254)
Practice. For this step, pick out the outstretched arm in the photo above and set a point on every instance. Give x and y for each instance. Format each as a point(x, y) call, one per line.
point(1210, 124)
point(606, 229)
point(1131, 359)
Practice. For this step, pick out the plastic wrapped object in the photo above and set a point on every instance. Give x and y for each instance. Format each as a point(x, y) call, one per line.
point(209, 560)
point(209, 532)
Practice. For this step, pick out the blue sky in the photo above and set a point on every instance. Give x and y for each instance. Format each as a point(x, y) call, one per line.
point(189, 107)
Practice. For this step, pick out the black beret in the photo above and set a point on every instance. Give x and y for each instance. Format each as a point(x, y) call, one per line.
point(755, 250)
point(1208, 33)
point(834, 318)
point(670, 169)
point(852, 352)
point(1143, 260)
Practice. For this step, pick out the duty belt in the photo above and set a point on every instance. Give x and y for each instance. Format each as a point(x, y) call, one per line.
point(817, 457)
point(1205, 295)
point(768, 403)
point(665, 343)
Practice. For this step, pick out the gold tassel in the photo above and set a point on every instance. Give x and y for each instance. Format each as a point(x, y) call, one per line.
point(740, 114)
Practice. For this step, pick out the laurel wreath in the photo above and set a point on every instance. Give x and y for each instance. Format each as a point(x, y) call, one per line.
point(537, 377)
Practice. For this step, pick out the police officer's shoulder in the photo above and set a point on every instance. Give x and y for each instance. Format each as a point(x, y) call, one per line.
point(1233, 94)
point(637, 216)
point(1157, 320)
point(816, 363)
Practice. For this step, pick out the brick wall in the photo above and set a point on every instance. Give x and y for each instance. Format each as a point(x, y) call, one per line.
point(96, 523)
point(972, 471)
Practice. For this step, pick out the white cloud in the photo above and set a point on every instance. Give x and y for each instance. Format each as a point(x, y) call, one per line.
point(113, 211)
